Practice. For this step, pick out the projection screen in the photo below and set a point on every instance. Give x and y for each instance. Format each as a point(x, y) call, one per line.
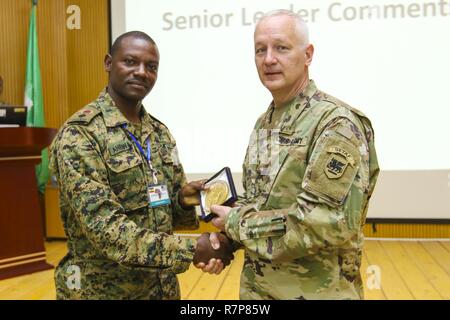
point(387, 58)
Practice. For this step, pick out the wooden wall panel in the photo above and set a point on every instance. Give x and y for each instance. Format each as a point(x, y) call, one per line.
point(14, 19)
point(71, 60)
point(405, 230)
point(53, 60)
point(86, 49)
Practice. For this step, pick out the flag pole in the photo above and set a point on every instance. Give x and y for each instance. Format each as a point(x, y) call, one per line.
point(34, 99)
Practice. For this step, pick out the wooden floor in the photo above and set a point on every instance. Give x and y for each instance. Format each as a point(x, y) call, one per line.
point(408, 269)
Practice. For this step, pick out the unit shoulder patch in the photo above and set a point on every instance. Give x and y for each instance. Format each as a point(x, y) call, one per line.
point(335, 166)
point(332, 169)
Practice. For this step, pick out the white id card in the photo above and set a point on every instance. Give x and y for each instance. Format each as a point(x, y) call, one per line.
point(158, 195)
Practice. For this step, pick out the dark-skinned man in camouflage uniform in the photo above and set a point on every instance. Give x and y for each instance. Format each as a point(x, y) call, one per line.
point(123, 190)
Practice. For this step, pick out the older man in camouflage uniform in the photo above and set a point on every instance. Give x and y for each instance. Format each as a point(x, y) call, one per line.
point(309, 172)
point(122, 189)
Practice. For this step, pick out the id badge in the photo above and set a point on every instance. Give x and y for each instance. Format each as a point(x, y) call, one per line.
point(158, 195)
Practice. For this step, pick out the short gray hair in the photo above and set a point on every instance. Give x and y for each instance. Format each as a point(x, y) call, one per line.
point(302, 28)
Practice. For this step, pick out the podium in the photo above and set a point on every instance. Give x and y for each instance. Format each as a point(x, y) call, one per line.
point(22, 248)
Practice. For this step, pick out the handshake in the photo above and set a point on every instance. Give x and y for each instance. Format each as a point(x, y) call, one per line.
point(222, 252)
point(214, 251)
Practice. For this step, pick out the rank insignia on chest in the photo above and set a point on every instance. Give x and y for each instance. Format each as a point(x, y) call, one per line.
point(337, 162)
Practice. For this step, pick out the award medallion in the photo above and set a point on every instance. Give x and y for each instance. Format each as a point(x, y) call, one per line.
point(216, 194)
point(220, 190)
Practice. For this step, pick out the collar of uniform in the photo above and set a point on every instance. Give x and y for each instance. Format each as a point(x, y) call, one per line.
point(296, 107)
point(111, 114)
point(113, 117)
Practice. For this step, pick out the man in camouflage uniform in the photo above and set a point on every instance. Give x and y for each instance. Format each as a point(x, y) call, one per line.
point(120, 244)
point(308, 174)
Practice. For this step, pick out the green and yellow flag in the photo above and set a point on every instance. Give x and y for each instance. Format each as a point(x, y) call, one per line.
point(33, 95)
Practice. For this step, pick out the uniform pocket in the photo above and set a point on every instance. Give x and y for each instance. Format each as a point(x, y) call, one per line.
point(168, 153)
point(127, 180)
point(263, 227)
point(168, 158)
